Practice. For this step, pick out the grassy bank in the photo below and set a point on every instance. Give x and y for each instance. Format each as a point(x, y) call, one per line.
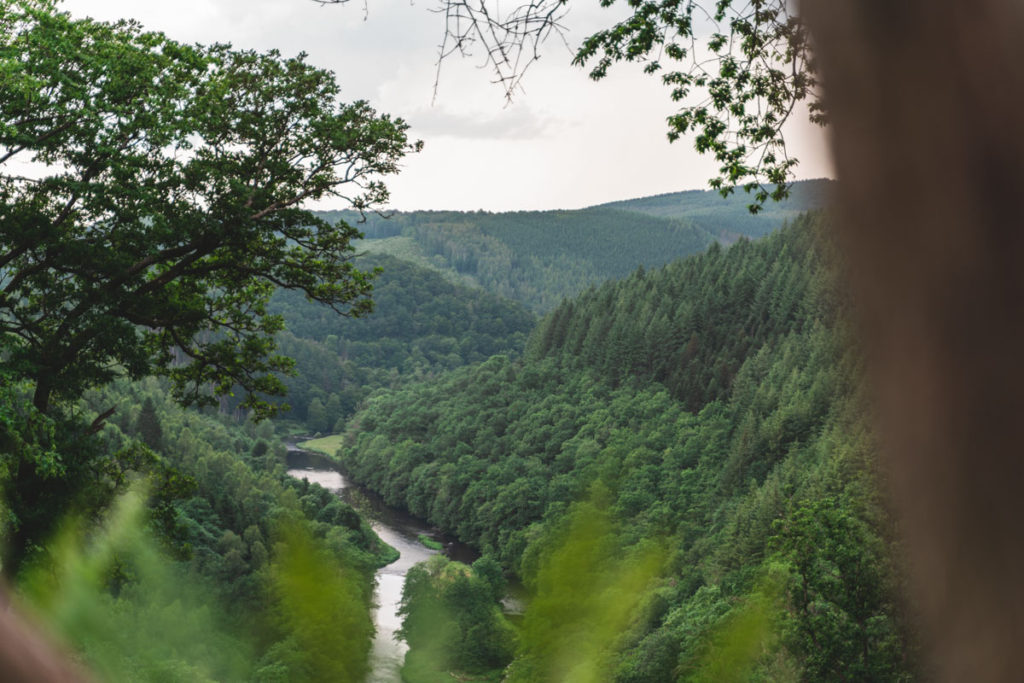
point(328, 445)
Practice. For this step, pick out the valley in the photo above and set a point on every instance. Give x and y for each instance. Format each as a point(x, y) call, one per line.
point(663, 444)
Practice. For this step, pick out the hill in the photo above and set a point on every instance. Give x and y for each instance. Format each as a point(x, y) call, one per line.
point(748, 473)
point(728, 218)
point(422, 324)
point(536, 257)
point(541, 257)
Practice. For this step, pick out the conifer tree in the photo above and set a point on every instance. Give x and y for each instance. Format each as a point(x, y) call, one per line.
point(148, 425)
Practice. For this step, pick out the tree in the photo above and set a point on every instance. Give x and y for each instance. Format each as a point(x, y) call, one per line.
point(316, 416)
point(333, 412)
point(169, 205)
point(840, 593)
point(451, 619)
point(148, 425)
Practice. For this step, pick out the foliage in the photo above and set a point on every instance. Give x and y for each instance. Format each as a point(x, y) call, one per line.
point(452, 621)
point(148, 629)
point(224, 519)
point(167, 210)
point(753, 70)
point(716, 466)
point(422, 325)
point(838, 577)
point(585, 593)
point(323, 607)
point(27, 440)
point(539, 257)
point(51, 469)
point(748, 630)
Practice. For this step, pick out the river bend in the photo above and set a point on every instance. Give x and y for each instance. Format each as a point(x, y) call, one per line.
point(396, 528)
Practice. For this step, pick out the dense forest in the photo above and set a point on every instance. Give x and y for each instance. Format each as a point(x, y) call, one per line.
point(202, 546)
point(540, 257)
point(752, 464)
point(676, 464)
point(422, 325)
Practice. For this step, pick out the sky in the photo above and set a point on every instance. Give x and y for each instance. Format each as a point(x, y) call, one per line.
point(564, 142)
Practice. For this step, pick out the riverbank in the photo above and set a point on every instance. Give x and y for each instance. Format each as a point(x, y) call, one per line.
point(397, 529)
point(328, 445)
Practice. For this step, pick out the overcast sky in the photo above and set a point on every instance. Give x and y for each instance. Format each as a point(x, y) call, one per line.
point(564, 142)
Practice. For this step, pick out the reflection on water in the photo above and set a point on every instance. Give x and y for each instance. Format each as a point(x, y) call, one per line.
point(399, 530)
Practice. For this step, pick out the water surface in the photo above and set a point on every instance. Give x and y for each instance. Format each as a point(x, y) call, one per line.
point(396, 528)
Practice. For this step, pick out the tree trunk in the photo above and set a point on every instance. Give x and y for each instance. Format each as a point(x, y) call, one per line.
point(926, 105)
point(41, 396)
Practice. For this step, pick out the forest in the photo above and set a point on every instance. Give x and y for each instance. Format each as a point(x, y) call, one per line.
point(645, 420)
point(707, 408)
point(757, 474)
point(539, 258)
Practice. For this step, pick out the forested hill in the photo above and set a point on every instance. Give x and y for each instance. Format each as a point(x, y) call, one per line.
point(749, 471)
point(534, 257)
point(540, 257)
point(422, 324)
point(729, 218)
point(691, 325)
point(621, 337)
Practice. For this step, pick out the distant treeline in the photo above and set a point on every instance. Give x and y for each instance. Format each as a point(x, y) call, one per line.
point(540, 257)
point(729, 218)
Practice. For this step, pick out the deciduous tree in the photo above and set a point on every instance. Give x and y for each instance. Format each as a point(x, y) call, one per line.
point(169, 204)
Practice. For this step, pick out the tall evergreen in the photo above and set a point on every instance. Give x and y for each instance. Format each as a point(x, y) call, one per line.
point(148, 425)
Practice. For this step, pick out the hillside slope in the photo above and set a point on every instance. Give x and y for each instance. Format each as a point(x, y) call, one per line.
point(422, 324)
point(753, 474)
point(540, 257)
point(728, 218)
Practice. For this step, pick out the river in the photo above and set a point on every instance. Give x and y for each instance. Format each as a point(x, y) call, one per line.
point(399, 530)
